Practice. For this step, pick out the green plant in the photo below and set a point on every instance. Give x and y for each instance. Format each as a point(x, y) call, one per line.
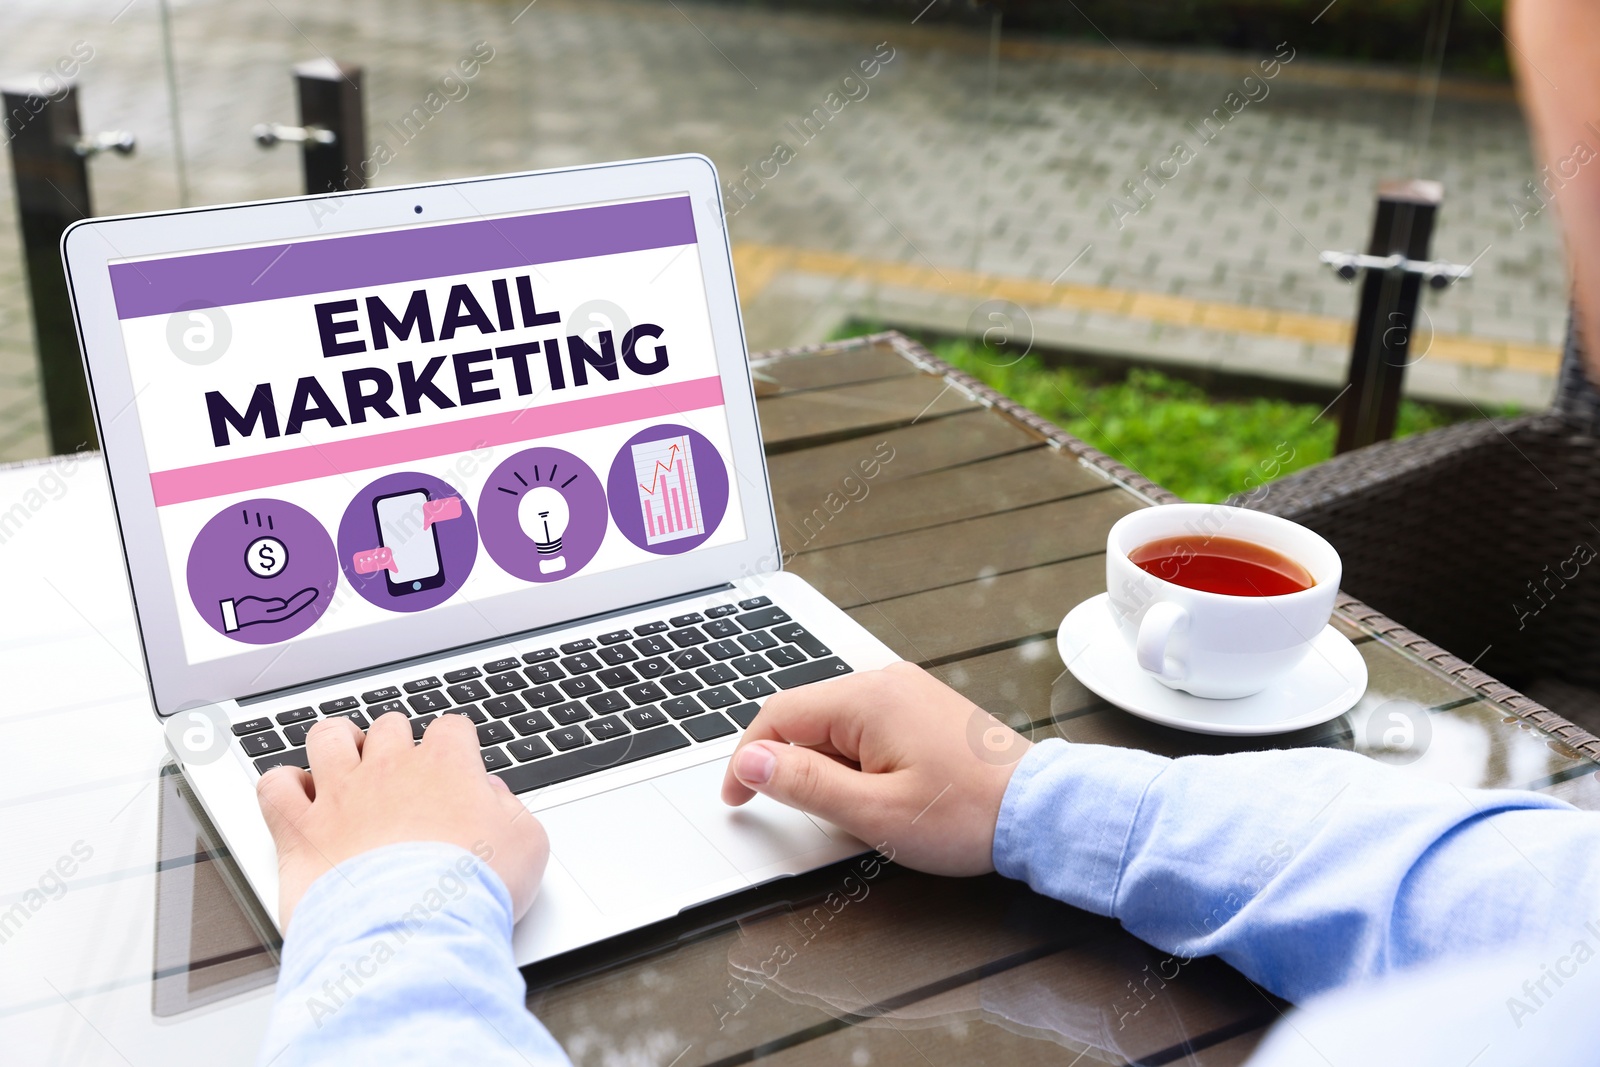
point(1202, 447)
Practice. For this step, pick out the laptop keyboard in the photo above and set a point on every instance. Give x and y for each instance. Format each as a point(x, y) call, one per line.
point(562, 712)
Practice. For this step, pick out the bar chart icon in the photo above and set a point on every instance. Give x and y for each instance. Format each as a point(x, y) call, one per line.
point(669, 497)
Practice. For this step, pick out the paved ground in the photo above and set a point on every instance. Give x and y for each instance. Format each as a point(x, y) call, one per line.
point(915, 203)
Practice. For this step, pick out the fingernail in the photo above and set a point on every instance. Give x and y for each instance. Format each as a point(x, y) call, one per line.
point(754, 765)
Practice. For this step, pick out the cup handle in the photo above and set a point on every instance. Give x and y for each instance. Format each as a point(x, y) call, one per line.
point(1155, 630)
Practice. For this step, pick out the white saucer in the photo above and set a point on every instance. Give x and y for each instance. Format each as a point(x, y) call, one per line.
point(1325, 685)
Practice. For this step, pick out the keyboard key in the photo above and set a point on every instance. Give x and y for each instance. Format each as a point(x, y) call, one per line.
point(495, 760)
point(543, 696)
point(378, 696)
point(682, 707)
point(581, 664)
point(261, 744)
point(717, 673)
point(295, 733)
point(754, 602)
point(707, 727)
point(720, 610)
point(500, 707)
point(765, 617)
point(616, 677)
point(508, 682)
point(471, 711)
point(580, 686)
point(617, 654)
point(687, 620)
point(797, 635)
point(354, 716)
point(757, 641)
point(492, 733)
point(528, 748)
point(607, 728)
point(420, 684)
point(744, 714)
point(687, 636)
point(644, 629)
point(754, 664)
point(539, 656)
point(468, 692)
point(685, 658)
point(720, 697)
point(297, 715)
point(678, 684)
point(644, 693)
point(540, 673)
point(722, 628)
point(581, 645)
point(566, 738)
point(751, 688)
point(500, 666)
point(419, 725)
point(724, 649)
point(645, 717)
point(652, 668)
point(814, 671)
point(295, 757)
point(569, 713)
point(534, 722)
point(652, 646)
point(386, 707)
point(251, 726)
point(428, 701)
point(787, 656)
point(338, 704)
point(465, 674)
point(605, 703)
point(614, 636)
point(565, 766)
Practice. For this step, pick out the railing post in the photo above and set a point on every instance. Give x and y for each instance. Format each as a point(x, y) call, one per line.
point(332, 133)
point(49, 163)
point(1402, 229)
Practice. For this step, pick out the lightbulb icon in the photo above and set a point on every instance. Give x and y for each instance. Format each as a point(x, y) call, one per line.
point(543, 514)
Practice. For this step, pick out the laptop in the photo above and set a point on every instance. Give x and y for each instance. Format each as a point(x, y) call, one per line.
point(484, 448)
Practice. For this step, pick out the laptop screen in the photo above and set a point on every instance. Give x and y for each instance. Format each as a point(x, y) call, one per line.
point(346, 428)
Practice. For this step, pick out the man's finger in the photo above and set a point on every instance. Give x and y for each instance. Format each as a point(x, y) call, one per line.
point(801, 778)
point(333, 747)
point(453, 739)
point(389, 736)
point(284, 796)
point(828, 716)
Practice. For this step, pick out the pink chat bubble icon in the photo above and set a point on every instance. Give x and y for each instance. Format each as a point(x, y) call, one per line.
point(441, 510)
point(373, 560)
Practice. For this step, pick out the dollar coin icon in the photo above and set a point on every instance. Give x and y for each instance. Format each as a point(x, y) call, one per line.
point(266, 557)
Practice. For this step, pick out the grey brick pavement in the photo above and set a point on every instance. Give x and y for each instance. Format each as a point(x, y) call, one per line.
point(915, 171)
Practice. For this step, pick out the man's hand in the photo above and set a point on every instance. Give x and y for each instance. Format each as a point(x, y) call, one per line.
point(367, 792)
point(894, 756)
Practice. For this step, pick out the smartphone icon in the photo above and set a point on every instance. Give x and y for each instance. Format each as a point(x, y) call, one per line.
point(418, 565)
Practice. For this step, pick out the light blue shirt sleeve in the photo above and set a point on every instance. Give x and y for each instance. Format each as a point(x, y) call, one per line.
point(401, 956)
point(1306, 869)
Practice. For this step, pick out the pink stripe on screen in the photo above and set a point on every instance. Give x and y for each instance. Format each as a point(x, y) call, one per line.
point(248, 473)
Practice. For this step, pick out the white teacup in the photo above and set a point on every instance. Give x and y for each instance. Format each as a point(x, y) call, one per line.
point(1213, 644)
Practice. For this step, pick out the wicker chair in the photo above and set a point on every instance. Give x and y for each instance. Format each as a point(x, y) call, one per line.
point(1485, 536)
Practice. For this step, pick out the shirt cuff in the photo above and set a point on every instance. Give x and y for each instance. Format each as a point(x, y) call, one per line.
point(1067, 816)
point(396, 889)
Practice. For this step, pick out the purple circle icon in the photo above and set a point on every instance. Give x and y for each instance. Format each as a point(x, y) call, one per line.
point(262, 571)
point(543, 514)
point(668, 488)
point(407, 542)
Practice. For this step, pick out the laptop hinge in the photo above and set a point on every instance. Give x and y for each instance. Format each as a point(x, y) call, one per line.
point(318, 683)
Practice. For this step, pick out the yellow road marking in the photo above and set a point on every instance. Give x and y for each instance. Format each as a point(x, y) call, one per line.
point(758, 265)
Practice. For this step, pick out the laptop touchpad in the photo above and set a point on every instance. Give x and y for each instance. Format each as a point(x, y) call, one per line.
point(631, 847)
